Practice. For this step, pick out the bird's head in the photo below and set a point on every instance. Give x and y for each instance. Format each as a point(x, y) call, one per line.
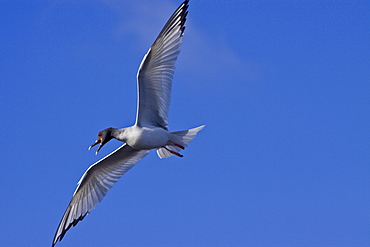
point(104, 136)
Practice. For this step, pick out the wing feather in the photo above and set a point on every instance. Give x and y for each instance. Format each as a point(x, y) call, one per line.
point(156, 72)
point(94, 185)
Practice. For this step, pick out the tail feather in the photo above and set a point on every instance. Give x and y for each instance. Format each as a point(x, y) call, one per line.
point(180, 137)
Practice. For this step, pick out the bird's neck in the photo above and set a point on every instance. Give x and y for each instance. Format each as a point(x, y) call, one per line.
point(119, 134)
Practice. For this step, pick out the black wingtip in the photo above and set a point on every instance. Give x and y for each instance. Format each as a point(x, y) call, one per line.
point(182, 12)
point(73, 223)
point(185, 7)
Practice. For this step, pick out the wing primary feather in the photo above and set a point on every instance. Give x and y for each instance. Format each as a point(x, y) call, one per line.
point(94, 185)
point(156, 72)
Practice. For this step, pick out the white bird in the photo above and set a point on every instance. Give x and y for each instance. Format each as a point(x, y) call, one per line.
point(149, 132)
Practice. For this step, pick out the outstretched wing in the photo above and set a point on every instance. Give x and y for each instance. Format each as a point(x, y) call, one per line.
point(95, 183)
point(156, 72)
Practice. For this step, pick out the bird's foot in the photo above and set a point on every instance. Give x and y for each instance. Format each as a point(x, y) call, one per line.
point(173, 152)
point(176, 144)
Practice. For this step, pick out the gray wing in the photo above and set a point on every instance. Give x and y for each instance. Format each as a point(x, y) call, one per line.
point(95, 183)
point(156, 72)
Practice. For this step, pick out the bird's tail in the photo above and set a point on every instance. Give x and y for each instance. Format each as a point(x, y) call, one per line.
point(178, 141)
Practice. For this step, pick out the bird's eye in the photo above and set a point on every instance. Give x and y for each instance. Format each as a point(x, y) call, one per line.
point(99, 134)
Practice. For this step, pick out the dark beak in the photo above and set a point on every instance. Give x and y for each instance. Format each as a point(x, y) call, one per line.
point(99, 140)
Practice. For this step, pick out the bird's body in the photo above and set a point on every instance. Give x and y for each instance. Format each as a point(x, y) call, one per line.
point(149, 132)
point(144, 138)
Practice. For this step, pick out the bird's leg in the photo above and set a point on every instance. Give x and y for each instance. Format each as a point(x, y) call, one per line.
point(176, 144)
point(173, 152)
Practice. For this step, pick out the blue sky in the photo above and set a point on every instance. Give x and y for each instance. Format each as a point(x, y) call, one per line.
point(282, 86)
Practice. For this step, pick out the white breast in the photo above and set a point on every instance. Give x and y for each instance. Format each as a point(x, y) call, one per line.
point(146, 138)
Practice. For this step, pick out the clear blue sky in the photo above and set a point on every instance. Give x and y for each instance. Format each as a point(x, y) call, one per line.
point(282, 86)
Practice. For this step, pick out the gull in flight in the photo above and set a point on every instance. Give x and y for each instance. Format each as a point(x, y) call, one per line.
point(150, 131)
